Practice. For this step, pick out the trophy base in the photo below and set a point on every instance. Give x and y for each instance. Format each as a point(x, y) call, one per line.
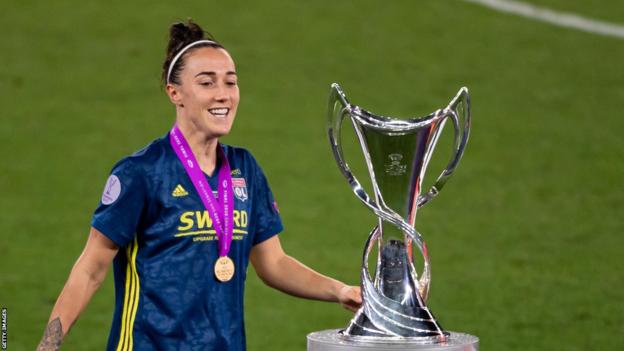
point(332, 340)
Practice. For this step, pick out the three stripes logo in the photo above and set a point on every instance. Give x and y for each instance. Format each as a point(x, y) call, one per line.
point(179, 191)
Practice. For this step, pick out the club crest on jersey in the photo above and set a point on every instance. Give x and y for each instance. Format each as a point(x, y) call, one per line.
point(240, 188)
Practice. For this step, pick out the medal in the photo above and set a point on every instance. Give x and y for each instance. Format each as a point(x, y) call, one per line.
point(224, 269)
point(221, 212)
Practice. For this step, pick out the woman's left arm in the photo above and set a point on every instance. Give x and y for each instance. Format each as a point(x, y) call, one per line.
point(284, 273)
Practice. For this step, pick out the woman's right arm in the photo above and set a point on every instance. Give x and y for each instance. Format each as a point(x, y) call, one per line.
point(85, 278)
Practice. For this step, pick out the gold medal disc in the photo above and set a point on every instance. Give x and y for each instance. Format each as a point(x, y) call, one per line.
point(224, 269)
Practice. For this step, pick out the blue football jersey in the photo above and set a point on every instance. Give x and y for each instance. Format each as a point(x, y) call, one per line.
point(167, 297)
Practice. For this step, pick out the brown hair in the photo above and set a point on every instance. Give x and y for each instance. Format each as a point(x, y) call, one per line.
point(180, 35)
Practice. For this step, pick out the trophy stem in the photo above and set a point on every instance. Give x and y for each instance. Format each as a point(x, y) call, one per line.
point(392, 306)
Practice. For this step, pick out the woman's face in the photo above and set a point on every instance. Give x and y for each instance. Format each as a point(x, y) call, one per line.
point(208, 94)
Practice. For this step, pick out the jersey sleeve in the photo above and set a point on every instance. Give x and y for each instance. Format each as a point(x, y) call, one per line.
point(122, 203)
point(265, 211)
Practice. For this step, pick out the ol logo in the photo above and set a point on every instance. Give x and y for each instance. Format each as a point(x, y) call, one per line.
point(240, 188)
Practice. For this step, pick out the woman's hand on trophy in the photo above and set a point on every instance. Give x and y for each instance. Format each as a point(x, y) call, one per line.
point(350, 297)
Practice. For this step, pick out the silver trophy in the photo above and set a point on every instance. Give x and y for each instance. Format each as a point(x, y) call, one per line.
point(394, 314)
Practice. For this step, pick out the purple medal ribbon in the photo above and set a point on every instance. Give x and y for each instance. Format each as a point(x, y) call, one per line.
point(221, 212)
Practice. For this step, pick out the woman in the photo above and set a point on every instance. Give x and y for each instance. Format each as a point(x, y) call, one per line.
point(181, 219)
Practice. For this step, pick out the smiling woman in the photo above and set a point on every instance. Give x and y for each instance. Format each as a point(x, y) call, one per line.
point(179, 270)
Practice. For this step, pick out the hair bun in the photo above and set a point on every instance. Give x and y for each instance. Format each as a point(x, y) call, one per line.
point(181, 34)
point(185, 32)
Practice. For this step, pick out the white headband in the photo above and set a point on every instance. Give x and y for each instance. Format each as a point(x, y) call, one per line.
point(177, 57)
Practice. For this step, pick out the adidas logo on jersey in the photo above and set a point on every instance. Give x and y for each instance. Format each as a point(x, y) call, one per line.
point(179, 191)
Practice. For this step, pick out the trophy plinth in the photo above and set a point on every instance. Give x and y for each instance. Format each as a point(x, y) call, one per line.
point(394, 314)
point(332, 340)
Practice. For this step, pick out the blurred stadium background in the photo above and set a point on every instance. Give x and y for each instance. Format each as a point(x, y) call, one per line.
point(526, 239)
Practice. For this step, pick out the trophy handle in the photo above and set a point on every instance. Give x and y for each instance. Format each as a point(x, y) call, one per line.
point(458, 111)
point(338, 109)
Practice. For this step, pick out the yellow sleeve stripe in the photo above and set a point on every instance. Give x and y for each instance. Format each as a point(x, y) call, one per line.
point(131, 299)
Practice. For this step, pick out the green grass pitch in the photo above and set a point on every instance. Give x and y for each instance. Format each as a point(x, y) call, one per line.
point(526, 238)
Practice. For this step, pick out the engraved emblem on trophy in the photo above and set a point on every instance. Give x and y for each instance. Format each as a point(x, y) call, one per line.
point(394, 314)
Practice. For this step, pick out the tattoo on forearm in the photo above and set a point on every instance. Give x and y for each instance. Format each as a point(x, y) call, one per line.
point(52, 337)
